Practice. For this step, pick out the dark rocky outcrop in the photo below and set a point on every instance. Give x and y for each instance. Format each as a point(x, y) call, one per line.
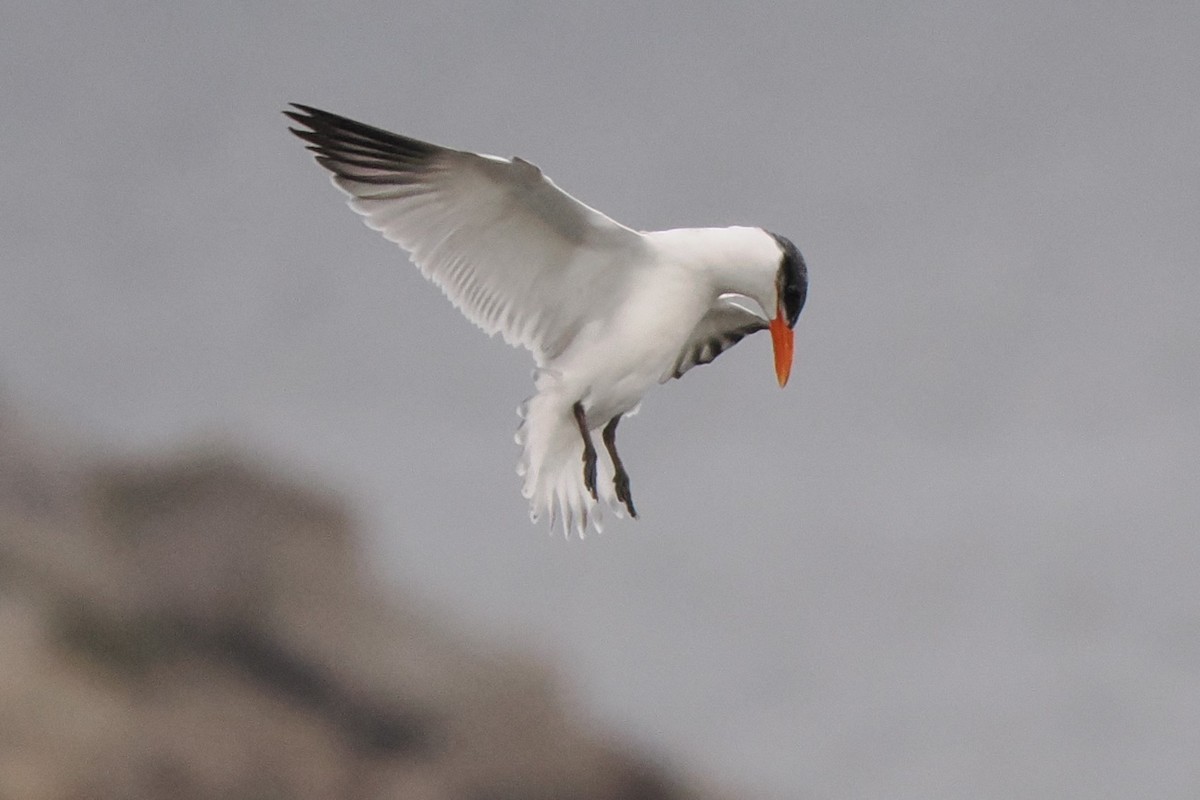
point(194, 628)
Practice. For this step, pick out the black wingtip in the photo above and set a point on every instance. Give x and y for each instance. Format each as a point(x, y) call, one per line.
point(312, 117)
point(309, 110)
point(335, 134)
point(304, 116)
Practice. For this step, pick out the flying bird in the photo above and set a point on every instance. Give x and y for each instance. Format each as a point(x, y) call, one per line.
point(605, 310)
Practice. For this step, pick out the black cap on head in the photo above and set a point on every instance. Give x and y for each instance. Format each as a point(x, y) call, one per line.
point(793, 279)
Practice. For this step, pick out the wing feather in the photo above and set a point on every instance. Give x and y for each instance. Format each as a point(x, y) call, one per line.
point(516, 254)
point(725, 324)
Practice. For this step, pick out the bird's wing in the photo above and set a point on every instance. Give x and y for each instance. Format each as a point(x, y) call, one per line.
point(725, 324)
point(516, 254)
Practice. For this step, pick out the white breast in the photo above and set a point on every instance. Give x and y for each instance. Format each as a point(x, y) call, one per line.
point(617, 359)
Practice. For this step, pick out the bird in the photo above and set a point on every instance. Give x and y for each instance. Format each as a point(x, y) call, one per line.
point(605, 310)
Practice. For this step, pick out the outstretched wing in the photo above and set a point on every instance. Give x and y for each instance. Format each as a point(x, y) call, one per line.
point(516, 254)
point(725, 324)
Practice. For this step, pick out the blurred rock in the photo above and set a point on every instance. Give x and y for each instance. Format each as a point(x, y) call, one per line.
point(197, 629)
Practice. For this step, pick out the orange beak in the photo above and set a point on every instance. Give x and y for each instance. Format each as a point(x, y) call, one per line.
point(782, 338)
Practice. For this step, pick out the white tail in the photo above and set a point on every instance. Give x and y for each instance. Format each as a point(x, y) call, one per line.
point(552, 462)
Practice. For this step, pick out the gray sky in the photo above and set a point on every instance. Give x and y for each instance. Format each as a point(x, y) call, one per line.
point(956, 557)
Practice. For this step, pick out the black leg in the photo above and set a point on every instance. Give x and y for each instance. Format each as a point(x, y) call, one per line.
point(621, 478)
point(589, 451)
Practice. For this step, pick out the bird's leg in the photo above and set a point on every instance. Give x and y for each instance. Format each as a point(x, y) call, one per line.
point(589, 451)
point(621, 477)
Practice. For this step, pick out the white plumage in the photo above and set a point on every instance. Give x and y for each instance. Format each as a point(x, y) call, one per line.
point(605, 310)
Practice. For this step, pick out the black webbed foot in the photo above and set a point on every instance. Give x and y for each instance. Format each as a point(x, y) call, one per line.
point(589, 451)
point(621, 485)
point(589, 471)
point(621, 477)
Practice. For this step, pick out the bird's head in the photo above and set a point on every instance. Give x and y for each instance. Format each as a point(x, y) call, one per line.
point(791, 290)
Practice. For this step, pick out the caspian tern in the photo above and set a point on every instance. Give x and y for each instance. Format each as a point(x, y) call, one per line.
point(605, 310)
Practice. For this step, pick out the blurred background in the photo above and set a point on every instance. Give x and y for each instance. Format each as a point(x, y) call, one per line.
point(262, 534)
